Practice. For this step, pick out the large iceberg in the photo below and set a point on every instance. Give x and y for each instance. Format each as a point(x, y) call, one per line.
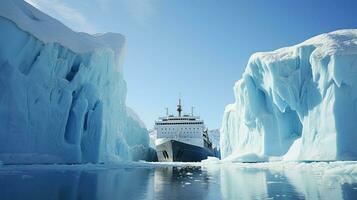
point(214, 137)
point(62, 97)
point(299, 101)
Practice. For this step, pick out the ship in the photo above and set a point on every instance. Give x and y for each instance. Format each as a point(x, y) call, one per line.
point(182, 138)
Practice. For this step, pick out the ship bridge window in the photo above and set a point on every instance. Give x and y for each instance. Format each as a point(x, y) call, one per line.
point(183, 123)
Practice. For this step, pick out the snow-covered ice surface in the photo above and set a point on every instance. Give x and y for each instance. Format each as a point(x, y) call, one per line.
point(212, 179)
point(62, 93)
point(301, 98)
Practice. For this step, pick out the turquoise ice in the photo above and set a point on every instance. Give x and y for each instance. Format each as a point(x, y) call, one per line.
point(62, 93)
point(304, 95)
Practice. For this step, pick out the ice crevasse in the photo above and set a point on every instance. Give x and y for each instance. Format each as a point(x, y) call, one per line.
point(296, 103)
point(62, 93)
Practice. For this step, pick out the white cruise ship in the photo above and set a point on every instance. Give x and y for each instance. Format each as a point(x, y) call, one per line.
point(182, 138)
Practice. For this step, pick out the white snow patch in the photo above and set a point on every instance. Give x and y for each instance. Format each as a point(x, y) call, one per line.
point(48, 29)
point(294, 151)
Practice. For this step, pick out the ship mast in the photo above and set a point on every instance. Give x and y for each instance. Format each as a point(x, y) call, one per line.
point(179, 107)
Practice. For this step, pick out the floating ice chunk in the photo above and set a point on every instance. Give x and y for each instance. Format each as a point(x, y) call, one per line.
point(250, 157)
point(211, 160)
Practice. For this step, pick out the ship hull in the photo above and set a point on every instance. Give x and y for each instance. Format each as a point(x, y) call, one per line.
point(175, 151)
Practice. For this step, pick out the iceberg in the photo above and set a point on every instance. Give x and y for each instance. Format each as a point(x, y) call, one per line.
point(214, 136)
point(298, 101)
point(62, 92)
point(139, 146)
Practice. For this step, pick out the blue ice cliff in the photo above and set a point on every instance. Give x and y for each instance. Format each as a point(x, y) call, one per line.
point(62, 93)
point(296, 103)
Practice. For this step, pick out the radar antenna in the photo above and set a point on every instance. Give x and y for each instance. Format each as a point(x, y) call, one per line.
point(167, 112)
point(179, 107)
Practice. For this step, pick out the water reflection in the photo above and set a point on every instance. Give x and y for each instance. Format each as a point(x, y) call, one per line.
point(181, 183)
point(214, 182)
point(249, 183)
point(123, 183)
point(314, 186)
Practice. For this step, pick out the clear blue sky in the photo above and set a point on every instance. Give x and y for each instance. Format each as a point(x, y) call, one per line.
point(198, 48)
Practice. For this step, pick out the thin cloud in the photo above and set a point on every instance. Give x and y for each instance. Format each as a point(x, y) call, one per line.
point(64, 13)
point(140, 12)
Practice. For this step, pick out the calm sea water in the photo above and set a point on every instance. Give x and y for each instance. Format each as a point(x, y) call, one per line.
point(167, 182)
